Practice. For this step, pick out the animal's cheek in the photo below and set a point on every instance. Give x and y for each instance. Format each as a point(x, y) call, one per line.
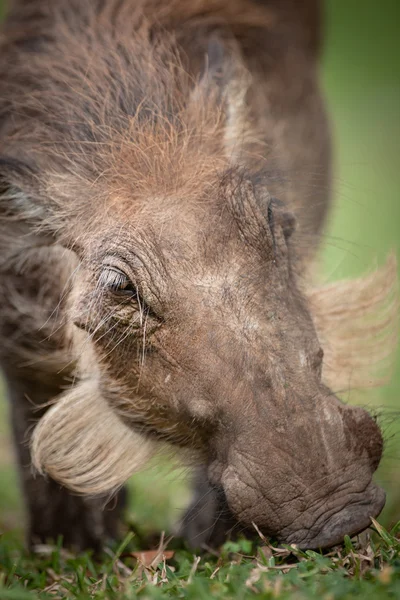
point(102, 318)
point(178, 386)
point(100, 322)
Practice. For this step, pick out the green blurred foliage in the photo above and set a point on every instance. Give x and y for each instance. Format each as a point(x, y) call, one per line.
point(361, 79)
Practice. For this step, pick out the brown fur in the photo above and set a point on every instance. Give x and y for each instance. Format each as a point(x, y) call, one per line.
point(171, 147)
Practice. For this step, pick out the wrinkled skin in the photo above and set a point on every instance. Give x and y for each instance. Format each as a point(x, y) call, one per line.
point(232, 355)
point(166, 216)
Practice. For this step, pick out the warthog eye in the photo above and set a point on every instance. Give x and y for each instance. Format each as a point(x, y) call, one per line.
point(286, 219)
point(114, 280)
point(117, 282)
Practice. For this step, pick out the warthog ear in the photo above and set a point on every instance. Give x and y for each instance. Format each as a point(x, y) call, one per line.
point(83, 444)
point(224, 83)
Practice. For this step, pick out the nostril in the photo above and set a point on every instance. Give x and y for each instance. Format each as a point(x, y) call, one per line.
point(368, 435)
point(373, 440)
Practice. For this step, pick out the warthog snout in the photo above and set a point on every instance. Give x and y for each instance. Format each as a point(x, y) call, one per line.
point(352, 519)
point(311, 483)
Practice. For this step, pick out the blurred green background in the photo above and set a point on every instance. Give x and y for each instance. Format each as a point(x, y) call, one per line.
point(361, 78)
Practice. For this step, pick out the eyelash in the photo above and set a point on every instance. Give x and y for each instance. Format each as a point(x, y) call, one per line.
point(117, 282)
point(114, 281)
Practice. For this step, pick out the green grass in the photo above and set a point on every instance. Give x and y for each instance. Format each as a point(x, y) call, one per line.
point(361, 78)
point(240, 570)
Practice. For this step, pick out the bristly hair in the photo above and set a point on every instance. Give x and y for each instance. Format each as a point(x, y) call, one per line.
point(357, 321)
point(92, 452)
point(125, 90)
point(119, 113)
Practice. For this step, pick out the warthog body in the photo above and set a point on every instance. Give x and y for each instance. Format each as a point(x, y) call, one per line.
point(164, 175)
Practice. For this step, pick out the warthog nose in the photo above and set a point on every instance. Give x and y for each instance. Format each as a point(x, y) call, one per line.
point(352, 519)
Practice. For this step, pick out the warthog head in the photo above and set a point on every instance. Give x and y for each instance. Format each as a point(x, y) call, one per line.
point(205, 340)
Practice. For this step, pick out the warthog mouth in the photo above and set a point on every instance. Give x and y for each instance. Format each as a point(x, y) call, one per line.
point(350, 520)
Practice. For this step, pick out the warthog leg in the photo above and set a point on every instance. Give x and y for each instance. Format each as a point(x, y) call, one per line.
point(208, 520)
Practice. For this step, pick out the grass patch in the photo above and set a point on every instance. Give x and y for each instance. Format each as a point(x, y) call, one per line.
point(367, 569)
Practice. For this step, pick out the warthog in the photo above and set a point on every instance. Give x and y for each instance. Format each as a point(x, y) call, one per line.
point(165, 169)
